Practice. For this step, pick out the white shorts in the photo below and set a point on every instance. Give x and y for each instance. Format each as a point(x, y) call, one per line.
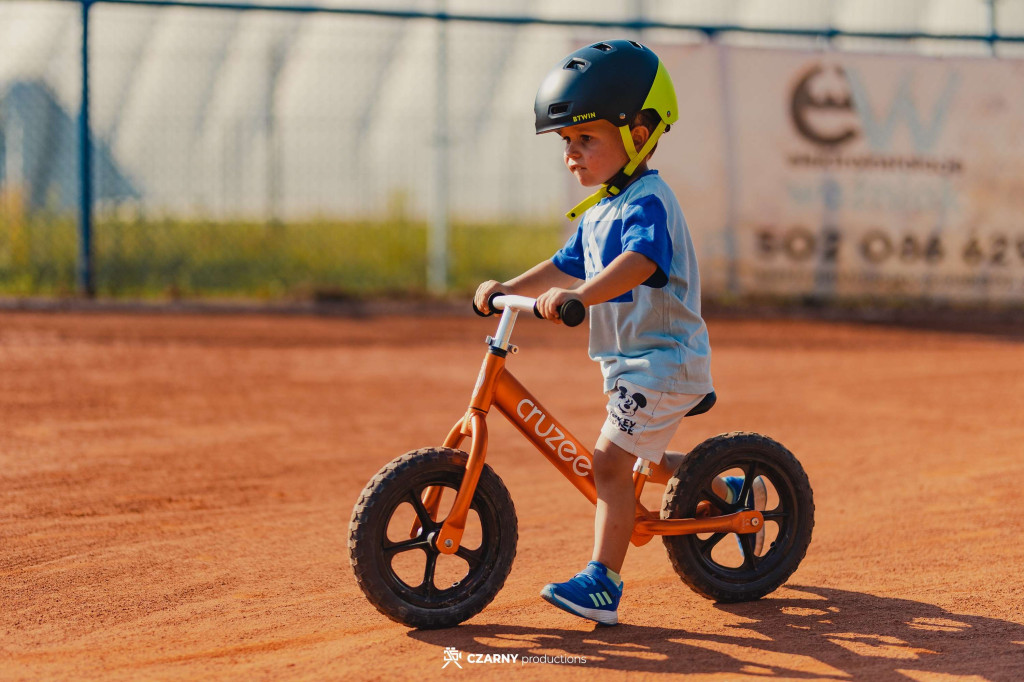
point(642, 421)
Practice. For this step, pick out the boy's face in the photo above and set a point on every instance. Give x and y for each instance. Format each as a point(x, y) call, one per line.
point(593, 151)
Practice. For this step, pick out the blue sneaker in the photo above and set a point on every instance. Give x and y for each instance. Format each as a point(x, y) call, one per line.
point(757, 498)
point(591, 594)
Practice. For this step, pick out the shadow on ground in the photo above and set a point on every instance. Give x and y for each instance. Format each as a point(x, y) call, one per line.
point(820, 633)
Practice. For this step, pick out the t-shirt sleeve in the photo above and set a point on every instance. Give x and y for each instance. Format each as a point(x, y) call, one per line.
point(645, 230)
point(569, 259)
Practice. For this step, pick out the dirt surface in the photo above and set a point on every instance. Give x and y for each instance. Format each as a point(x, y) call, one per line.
point(175, 493)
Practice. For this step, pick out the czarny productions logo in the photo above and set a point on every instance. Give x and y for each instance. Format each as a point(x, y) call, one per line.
point(832, 106)
point(453, 655)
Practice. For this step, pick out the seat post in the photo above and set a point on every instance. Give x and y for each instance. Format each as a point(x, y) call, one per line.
point(641, 470)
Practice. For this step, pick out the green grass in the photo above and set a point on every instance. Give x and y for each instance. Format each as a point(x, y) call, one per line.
point(176, 258)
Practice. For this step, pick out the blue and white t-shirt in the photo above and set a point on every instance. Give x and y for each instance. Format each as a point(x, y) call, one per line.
point(654, 335)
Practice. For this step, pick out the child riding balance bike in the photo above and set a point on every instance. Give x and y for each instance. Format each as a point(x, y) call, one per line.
point(433, 535)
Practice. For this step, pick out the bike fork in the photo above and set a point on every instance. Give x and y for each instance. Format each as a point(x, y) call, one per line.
point(474, 426)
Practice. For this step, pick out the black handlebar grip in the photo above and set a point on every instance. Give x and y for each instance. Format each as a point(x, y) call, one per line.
point(490, 305)
point(572, 312)
point(490, 301)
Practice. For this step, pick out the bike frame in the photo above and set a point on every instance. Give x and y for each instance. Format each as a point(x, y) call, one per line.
point(496, 387)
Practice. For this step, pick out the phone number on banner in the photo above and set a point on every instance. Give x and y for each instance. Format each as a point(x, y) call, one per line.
point(800, 244)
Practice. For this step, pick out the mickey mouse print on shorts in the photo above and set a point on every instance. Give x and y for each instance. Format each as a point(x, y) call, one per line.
point(641, 420)
point(626, 405)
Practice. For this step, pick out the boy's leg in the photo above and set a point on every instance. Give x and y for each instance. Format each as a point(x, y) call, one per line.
point(663, 471)
point(616, 503)
point(595, 591)
point(642, 421)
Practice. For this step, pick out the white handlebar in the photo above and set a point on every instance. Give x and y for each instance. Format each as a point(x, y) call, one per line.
point(521, 303)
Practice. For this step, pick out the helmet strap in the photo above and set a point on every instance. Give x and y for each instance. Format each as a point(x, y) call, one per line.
point(622, 178)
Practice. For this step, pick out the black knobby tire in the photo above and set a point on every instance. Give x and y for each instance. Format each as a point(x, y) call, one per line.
point(703, 560)
point(390, 500)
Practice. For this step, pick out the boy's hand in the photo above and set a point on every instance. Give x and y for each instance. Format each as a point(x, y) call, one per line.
point(485, 291)
point(551, 300)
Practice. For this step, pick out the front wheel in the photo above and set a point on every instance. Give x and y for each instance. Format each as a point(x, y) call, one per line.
point(391, 545)
point(730, 473)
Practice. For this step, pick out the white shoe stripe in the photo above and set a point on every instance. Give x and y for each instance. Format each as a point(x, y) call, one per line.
point(596, 601)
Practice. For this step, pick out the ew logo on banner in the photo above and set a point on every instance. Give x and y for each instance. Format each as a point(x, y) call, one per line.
point(833, 106)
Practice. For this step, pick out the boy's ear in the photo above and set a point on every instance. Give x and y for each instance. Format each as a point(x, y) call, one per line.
point(640, 136)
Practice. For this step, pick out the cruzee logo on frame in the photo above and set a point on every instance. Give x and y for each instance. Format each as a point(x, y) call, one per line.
point(553, 437)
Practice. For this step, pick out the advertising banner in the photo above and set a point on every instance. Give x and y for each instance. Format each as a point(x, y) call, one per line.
point(865, 175)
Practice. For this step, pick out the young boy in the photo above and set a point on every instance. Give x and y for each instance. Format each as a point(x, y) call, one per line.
point(610, 102)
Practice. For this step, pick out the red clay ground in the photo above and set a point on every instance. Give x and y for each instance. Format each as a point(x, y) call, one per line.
point(175, 493)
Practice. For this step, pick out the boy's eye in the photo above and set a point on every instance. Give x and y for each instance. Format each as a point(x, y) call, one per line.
point(584, 138)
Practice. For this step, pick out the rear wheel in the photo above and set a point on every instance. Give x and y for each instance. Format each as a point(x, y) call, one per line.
point(391, 545)
point(730, 567)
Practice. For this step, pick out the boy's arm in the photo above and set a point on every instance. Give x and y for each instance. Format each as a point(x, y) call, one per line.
point(537, 279)
point(628, 271)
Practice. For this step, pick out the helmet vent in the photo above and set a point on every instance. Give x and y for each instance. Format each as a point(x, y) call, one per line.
point(560, 109)
point(636, 44)
point(577, 64)
point(604, 47)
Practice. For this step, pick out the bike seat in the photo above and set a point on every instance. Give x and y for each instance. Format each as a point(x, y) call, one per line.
point(703, 406)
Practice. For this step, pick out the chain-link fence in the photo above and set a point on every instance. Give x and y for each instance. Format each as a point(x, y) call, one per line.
point(297, 150)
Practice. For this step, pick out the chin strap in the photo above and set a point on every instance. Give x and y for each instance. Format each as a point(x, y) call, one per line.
point(620, 179)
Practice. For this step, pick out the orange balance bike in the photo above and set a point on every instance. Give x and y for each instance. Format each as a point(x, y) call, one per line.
point(434, 533)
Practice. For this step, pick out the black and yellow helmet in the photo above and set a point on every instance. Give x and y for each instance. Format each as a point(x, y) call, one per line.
point(611, 80)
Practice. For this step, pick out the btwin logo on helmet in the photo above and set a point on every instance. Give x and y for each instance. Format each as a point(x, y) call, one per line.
point(584, 117)
point(553, 437)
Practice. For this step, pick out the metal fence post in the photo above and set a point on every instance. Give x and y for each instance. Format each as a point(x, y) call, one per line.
point(993, 28)
point(437, 237)
point(86, 286)
point(732, 174)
